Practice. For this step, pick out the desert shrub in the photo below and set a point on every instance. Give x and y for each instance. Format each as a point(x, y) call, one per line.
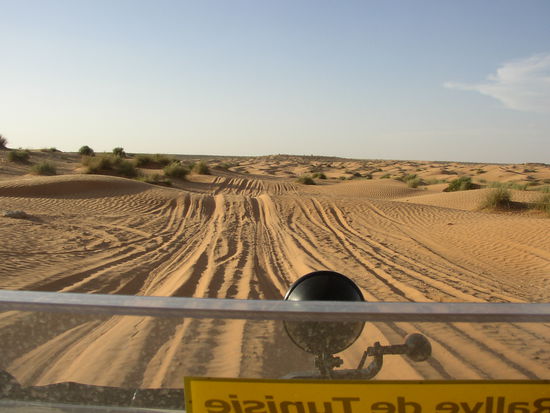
point(385, 176)
point(153, 161)
point(96, 165)
point(306, 180)
point(497, 198)
point(434, 181)
point(144, 160)
point(86, 151)
point(3, 142)
point(460, 184)
point(319, 175)
point(44, 168)
point(414, 182)
point(543, 204)
point(155, 179)
point(409, 177)
point(119, 152)
point(176, 170)
point(162, 160)
point(52, 150)
point(16, 214)
point(19, 155)
point(447, 172)
point(125, 168)
point(110, 164)
point(201, 168)
point(509, 185)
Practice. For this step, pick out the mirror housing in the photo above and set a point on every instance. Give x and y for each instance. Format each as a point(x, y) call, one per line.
point(324, 337)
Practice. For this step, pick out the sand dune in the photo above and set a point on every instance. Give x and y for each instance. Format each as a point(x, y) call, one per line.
point(374, 189)
point(466, 200)
point(237, 236)
point(70, 186)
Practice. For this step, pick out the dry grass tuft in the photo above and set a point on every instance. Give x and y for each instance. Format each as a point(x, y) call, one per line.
point(110, 165)
point(44, 168)
point(497, 199)
point(306, 180)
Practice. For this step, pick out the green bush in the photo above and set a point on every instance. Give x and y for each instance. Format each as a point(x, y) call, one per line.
point(125, 168)
point(155, 179)
point(497, 198)
point(306, 180)
point(19, 155)
point(319, 175)
point(509, 185)
point(119, 152)
point(143, 161)
point(543, 204)
point(409, 177)
point(201, 168)
point(97, 165)
point(385, 176)
point(176, 170)
point(52, 150)
point(163, 160)
point(414, 182)
point(44, 168)
point(109, 164)
point(86, 151)
point(447, 172)
point(153, 161)
point(460, 184)
point(434, 181)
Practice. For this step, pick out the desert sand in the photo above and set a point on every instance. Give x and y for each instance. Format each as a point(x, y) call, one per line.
point(247, 231)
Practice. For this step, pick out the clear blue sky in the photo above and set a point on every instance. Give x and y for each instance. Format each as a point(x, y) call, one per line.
point(435, 80)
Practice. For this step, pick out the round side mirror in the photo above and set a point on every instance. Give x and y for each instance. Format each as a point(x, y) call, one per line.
point(418, 347)
point(324, 337)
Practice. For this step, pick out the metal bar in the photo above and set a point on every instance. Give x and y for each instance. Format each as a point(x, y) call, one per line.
point(48, 407)
point(102, 304)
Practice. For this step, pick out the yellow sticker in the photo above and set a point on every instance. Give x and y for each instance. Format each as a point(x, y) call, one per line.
point(210, 395)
